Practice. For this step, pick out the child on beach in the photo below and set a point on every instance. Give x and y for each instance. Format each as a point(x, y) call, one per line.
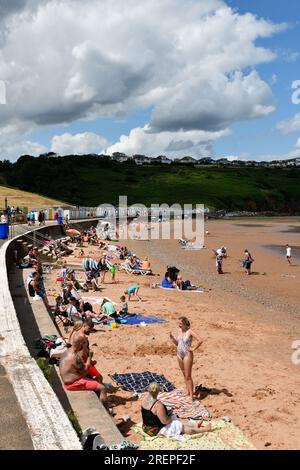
point(124, 309)
point(113, 270)
point(289, 254)
point(133, 291)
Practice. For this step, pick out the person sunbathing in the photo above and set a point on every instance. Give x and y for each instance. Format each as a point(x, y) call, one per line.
point(146, 264)
point(36, 287)
point(61, 311)
point(184, 285)
point(74, 372)
point(79, 340)
point(74, 309)
point(92, 280)
point(167, 282)
point(157, 420)
point(71, 279)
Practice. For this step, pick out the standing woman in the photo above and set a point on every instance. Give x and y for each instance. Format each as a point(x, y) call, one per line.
point(248, 260)
point(185, 352)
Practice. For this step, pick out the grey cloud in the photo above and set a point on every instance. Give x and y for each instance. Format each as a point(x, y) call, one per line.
point(179, 145)
point(8, 7)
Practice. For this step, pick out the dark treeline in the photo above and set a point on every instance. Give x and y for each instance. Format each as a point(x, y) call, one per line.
point(92, 180)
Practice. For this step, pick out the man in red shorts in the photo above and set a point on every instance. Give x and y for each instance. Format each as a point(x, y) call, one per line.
point(75, 374)
point(79, 341)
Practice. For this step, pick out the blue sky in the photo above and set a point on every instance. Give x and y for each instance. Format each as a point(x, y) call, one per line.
point(261, 137)
point(152, 82)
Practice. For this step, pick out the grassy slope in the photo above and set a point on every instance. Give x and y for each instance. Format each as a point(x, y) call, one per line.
point(20, 198)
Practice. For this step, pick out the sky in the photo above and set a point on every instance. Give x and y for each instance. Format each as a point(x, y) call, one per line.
point(161, 77)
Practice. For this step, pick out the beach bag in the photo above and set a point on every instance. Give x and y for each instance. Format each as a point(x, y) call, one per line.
point(44, 341)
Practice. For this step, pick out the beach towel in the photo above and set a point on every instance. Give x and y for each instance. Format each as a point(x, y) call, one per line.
point(184, 410)
point(199, 290)
point(139, 382)
point(137, 319)
point(224, 436)
point(97, 300)
point(196, 248)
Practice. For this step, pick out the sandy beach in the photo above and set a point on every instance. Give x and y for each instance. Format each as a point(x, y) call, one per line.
point(248, 324)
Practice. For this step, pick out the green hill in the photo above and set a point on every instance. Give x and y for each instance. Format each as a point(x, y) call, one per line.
point(91, 180)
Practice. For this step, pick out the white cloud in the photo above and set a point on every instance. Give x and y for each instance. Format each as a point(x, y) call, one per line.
point(87, 142)
point(185, 60)
point(213, 104)
point(12, 146)
point(297, 145)
point(171, 144)
point(290, 125)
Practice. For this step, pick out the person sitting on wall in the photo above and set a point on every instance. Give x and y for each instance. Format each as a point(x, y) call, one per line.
point(74, 372)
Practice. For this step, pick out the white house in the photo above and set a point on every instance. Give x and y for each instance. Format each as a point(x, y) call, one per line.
point(141, 159)
point(162, 159)
point(119, 157)
point(187, 160)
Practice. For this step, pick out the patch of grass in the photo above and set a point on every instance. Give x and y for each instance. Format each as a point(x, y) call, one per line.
point(75, 423)
point(45, 368)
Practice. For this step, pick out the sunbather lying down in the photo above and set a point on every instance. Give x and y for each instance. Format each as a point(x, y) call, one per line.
point(190, 245)
point(135, 268)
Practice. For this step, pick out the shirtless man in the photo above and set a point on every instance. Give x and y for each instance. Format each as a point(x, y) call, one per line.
point(74, 374)
point(79, 341)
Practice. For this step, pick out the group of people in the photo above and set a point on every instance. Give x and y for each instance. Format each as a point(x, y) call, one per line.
point(222, 253)
point(173, 280)
point(77, 365)
point(41, 218)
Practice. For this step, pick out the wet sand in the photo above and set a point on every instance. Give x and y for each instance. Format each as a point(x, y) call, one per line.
point(248, 324)
point(281, 250)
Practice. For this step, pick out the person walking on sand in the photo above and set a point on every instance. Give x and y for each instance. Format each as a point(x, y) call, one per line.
point(289, 254)
point(185, 352)
point(219, 254)
point(247, 263)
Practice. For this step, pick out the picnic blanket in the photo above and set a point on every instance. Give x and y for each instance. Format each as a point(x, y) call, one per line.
point(184, 410)
point(224, 436)
point(137, 319)
point(139, 382)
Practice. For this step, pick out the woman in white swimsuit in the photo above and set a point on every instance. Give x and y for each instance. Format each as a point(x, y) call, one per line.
point(185, 352)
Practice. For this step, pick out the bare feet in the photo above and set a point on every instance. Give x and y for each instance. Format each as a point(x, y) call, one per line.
point(206, 428)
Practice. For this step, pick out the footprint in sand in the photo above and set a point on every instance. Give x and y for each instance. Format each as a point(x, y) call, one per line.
point(263, 393)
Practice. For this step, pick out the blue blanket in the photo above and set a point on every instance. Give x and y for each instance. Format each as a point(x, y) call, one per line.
point(140, 382)
point(137, 319)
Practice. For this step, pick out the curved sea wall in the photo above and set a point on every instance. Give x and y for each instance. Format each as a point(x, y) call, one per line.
point(46, 419)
